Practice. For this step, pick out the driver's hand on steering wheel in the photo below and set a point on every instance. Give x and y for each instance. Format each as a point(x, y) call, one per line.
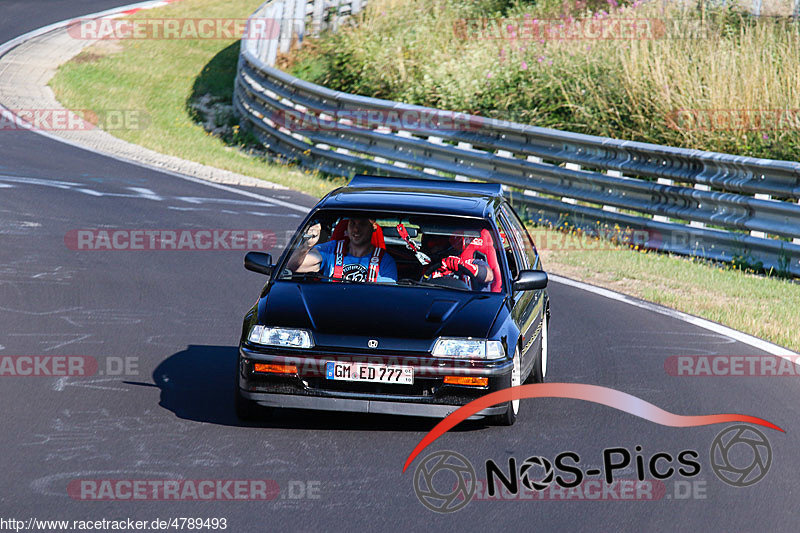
point(455, 264)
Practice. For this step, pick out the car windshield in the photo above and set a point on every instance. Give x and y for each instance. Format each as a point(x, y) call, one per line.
point(395, 248)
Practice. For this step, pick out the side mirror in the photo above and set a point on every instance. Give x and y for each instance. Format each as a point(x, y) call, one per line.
point(259, 262)
point(530, 280)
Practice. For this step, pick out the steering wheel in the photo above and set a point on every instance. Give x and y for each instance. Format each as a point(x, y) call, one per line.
point(448, 282)
point(436, 266)
point(444, 278)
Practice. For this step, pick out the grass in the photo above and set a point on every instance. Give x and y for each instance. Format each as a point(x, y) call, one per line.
point(435, 53)
point(162, 78)
point(762, 306)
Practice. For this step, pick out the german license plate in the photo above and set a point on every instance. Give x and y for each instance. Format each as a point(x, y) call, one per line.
point(370, 372)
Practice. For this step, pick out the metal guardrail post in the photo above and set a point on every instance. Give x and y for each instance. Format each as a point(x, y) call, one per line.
point(334, 6)
point(286, 26)
point(616, 174)
point(565, 199)
point(695, 223)
point(271, 52)
point(761, 234)
point(299, 19)
point(316, 17)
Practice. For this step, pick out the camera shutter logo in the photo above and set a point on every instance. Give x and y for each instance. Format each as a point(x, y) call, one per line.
point(451, 463)
point(529, 463)
point(733, 442)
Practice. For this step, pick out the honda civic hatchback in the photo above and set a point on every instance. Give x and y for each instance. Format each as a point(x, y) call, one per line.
point(397, 296)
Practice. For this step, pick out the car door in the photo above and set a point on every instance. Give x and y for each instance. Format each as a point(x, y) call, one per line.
point(528, 306)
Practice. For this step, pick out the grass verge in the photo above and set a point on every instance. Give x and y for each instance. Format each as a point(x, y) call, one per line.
point(164, 78)
point(765, 307)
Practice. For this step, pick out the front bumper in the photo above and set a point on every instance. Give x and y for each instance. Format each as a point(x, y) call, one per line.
point(363, 406)
point(309, 389)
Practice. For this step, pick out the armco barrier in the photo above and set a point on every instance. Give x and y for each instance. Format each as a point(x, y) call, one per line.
point(692, 202)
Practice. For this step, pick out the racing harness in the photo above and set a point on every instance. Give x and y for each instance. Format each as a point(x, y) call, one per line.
point(421, 257)
point(374, 261)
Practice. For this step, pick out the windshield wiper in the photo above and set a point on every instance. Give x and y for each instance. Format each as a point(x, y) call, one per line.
point(429, 284)
point(315, 276)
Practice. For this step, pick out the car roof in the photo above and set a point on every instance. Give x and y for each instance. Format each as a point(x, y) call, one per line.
point(415, 195)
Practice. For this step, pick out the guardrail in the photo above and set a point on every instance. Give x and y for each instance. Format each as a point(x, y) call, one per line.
point(691, 202)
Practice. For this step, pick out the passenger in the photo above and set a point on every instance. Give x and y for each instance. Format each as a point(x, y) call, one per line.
point(471, 259)
point(353, 257)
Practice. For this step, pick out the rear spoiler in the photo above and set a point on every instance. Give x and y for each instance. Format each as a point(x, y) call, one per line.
point(487, 189)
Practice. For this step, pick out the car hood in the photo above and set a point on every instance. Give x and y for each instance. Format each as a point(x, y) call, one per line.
point(378, 311)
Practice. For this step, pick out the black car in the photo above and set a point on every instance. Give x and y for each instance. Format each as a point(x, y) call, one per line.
point(397, 296)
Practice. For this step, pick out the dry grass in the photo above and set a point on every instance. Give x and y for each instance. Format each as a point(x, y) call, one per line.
point(423, 52)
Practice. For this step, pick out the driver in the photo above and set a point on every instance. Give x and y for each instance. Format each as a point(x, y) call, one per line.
point(473, 260)
point(353, 258)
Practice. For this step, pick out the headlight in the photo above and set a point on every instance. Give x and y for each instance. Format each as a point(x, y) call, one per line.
point(468, 348)
point(291, 338)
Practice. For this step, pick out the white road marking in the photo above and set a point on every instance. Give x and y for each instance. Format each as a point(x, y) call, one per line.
point(146, 193)
point(744, 338)
point(38, 181)
point(47, 338)
point(64, 382)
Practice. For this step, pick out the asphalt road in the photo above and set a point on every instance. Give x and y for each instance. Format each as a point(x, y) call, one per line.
point(174, 317)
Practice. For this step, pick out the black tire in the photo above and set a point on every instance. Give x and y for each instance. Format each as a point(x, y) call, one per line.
point(512, 408)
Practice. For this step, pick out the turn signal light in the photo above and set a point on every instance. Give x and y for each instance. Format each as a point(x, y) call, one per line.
point(466, 380)
point(275, 369)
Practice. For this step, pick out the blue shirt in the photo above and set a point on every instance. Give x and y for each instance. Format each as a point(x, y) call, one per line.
point(355, 268)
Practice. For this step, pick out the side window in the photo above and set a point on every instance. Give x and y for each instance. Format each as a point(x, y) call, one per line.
point(510, 249)
point(523, 239)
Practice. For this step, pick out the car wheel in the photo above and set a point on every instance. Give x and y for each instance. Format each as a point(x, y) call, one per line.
point(512, 408)
point(539, 372)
